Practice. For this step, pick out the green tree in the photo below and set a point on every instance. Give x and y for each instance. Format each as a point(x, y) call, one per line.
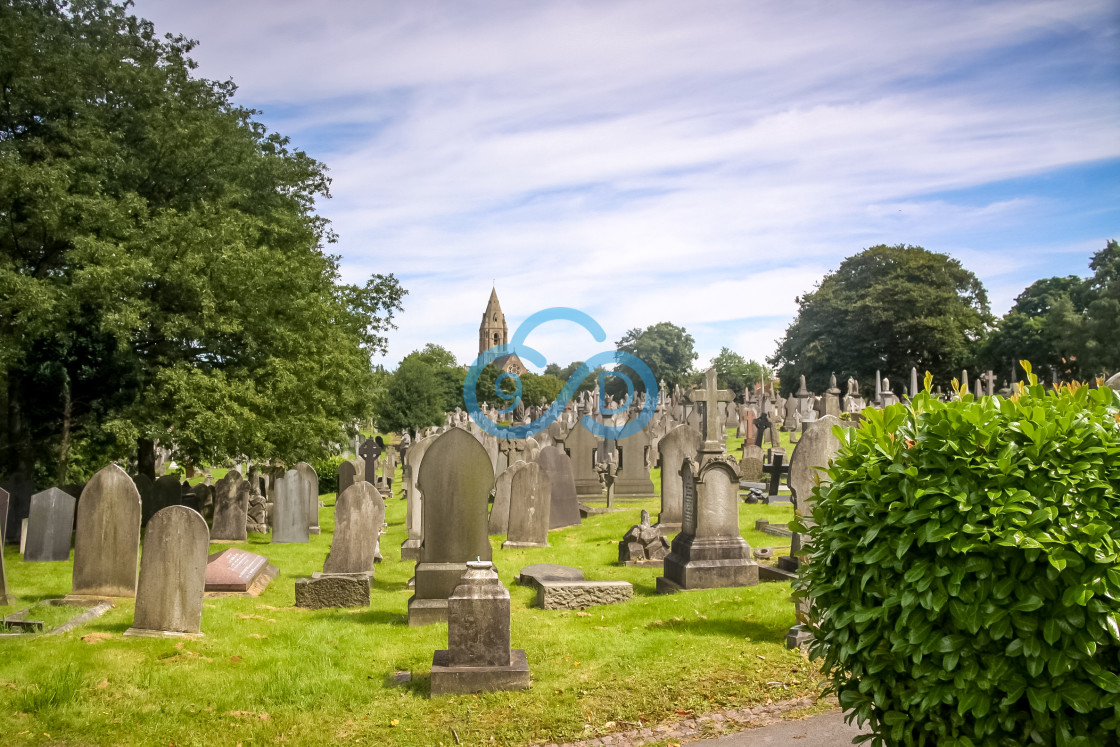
point(887, 308)
point(666, 348)
point(162, 271)
point(411, 400)
point(447, 373)
point(1101, 353)
point(1044, 327)
point(736, 373)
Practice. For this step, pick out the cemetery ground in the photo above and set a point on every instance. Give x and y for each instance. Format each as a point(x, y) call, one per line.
point(265, 672)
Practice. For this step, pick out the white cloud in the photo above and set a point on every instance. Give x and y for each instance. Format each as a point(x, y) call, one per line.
point(701, 163)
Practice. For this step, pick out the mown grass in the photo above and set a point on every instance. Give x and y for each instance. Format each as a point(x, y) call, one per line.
point(268, 673)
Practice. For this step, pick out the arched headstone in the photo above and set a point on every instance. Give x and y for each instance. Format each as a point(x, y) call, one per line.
point(107, 544)
point(359, 513)
point(682, 442)
point(172, 575)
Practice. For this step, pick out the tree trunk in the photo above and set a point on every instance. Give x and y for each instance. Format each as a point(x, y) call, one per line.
point(146, 458)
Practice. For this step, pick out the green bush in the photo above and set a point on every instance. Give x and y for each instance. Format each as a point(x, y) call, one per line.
point(327, 469)
point(965, 570)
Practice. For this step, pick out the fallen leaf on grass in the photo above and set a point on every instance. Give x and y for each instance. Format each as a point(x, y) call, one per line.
point(249, 617)
point(96, 637)
point(394, 722)
point(583, 614)
point(102, 684)
point(235, 659)
point(257, 635)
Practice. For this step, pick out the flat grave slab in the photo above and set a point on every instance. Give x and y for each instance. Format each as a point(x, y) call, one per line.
point(561, 587)
point(237, 571)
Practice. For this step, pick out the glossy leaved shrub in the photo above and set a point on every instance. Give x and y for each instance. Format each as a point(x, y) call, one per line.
point(965, 570)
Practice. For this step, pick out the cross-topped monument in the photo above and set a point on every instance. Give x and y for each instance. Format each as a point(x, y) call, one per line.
point(711, 396)
point(990, 382)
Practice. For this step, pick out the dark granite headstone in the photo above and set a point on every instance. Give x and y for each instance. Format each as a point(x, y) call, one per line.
point(167, 491)
point(455, 480)
point(107, 542)
point(349, 472)
point(50, 525)
point(172, 575)
point(557, 465)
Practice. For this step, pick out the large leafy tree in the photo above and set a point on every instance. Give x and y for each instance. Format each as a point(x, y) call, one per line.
point(736, 373)
point(887, 308)
point(162, 268)
point(666, 348)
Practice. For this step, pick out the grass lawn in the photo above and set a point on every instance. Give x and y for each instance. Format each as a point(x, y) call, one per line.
point(268, 673)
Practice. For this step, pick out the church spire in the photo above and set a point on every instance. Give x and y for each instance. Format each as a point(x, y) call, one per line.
point(493, 330)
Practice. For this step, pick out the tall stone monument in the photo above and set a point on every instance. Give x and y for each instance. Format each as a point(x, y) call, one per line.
point(709, 551)
point(455, 480)
point(289, 510)
point(683, 442)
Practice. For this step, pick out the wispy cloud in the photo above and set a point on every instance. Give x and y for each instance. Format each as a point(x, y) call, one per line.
point(701, 163)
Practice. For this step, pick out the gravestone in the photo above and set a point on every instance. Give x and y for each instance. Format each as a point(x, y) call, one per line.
point(632, 479)
point(237, 571)
point(257, 515)
point(370, 452)
point(146, 487)
point(5, 598)
point(167, 491)
point(414, 508)
point(172, 575)
point(529, 506)
point(499, 512)
point(50, 526)
point(752, 463)
point(359, 513)
point(478, 657)
point(231, 507)
point(349, 472)
point(581, 445)
point(309, 487)
point(289, 510)
point(455, 480)
point(107, 543)
point(678, 444)
point(643, 544)
point(811, 457)
point(5, 501)
point(709, 552)
point(564, 511)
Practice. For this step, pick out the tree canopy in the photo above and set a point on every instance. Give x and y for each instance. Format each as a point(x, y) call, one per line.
point(162, 267)
point(887, 308)
point(1066, 324)
point(666, 348)
point(736, 373)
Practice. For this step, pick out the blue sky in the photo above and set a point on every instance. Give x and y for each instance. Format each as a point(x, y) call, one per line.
point(699, 163)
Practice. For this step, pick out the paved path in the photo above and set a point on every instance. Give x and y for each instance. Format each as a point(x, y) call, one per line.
point(824, 730)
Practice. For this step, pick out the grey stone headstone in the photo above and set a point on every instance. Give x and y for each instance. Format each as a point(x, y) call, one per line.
point(455, 480)
point(682, 442)
point(173, 574)
point(811, 456)
point(414, 514)
point(752, 462)
point(358, 515)
point(5, 598)
point(564, 511)
point(529, 506)
point(309, 488)
point(4, 502)
point(50, 526)
point(107, 543)
point(231, 506)
point(499, 511)
point(581, 445)
point(632, 479)
point(289, 510)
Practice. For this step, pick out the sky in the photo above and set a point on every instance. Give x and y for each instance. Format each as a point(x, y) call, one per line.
point(701, 163)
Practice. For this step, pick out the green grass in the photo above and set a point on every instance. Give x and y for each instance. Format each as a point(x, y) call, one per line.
point(267, 673)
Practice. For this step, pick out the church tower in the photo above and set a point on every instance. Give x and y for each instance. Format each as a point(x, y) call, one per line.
point(493, 330)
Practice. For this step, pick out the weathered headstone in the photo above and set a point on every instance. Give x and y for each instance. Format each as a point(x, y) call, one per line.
point(644, 544)
point(478, 657)
point(632, 479)
point(50, 525)
point(499, 511)
point(529, 506)
point(807, 466)
point(309, 487)
point(359, 513)
point(231, 507)
point(709, 552)
point(752, 463)
point(167, 491)
point(5, 500)
point(581, 445)
point(455, 480)
point(681, 443)
point(556, 463)
point(5, 598)
point(289, 510)
point(370, 451)
point(172, 574)
point(146, 487)
point(107, 543)
point(414, 509)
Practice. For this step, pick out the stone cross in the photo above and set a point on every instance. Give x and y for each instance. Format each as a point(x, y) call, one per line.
point(990, 380)
point(775, 470)
point(369, 451)
point(711, 396)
